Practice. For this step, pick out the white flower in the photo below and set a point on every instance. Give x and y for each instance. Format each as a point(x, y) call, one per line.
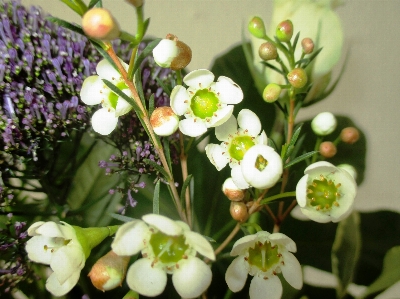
point(204, 103)
point(235, 143)
point(95, 92)
point(264, 256)
point(57, 245)
point(326, 193)
point(167, 247)
point(261, 166)
point(324, 123)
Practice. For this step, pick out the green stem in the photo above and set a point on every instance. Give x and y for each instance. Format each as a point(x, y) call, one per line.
point(316, 148)
point(278, 196)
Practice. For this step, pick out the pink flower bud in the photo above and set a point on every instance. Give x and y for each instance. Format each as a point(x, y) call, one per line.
point(349, 135)
point(98, 23)
point(284, 31)
point(267, 51)
point(308, 45)
point(297, 78)
point(256, 27)
point(327, 149)
point(239, 211)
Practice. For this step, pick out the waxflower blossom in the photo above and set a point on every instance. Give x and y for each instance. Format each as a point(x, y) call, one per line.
point(172, 53)
point(326, 193)
point(264, 256)
point(235, 143)
point(204, 103)
point(167, 247)
point(95, 92)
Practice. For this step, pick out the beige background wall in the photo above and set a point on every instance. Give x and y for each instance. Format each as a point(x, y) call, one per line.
point(368, 91)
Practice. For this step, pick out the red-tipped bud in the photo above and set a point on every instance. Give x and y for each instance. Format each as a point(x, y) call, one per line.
point(271, 92)
point(308, 45)
point(284, 31)
point(98, 23)
point(136, 3)
point(232, 191)
point(239, 211)
point(109, 271)
point(267, 51)
point(172, 53)
point(327, 149)
point(349, 135)
point(164, 121)
point(256, 27)
point(297, 78)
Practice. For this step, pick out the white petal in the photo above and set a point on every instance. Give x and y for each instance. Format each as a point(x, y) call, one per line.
point(192, 128)
point(145, 279)
point(317, 216)
point(180, 100)
point(238, 178)
point(123, 107)
point(164, 224)
point(243, 244)
point(129, 239)
point(229, 127)
point(66, 261)
point(192, 277)
point(199, 79)
point(291, 270)
point(236, 274)
point(282, 239)
point(223, 115)
point(107, 71)
point(165, 52)
point(57, 289)
point(33, 227)
point(249, 121)
point(104, 121)
point(56, 230)
point(35, 247)
point(91, 91)
point(301, 191)
point(261, 288)
point(267, 177)
point(200, 244)
point(321, 166)
point(229, 91)
point(214, 152)
point(262, 138)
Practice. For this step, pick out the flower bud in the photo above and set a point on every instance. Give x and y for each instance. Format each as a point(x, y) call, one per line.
point(271, 92)
point(239, 211)
point(232, 191)
point(324, 123)
point(109, 271)
point(136, 3)
point(297, 77)
point(256, 27)
point(327, 149)
point(308, 45)
point(267, 51)
point(284, 31)
point(349, 135)
point(172, 53)
point(99, 23)
point(164, 121)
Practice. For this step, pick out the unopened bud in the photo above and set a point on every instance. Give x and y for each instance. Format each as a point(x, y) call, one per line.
point(324, 123)
point(327, 149)
point(99, 23)
point(172, 53)
point(136, 3)
point(239, 211)
point(164, 121)
point(109, 271)
point(308, 45)
point(232, 191)
point(271, 92)
point(349, 135)
point(284, 31)
point(267, 51)
point(297, 77)
point(256, 27)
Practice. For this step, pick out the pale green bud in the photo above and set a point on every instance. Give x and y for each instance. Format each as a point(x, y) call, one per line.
point(271, 92)
point(256, 27)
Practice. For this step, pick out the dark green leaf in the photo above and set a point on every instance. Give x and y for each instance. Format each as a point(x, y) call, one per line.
point(93, 3)
point(156, 198)
point(149, 48)
point(157, 167)
point(185, 186)
point(151, 104)
point(167, 152)
point(300, 158)
point(76, 5)
point(121, 217)
point(346, 251)
point(66, 24)
point(292, 142)
point(163, 86)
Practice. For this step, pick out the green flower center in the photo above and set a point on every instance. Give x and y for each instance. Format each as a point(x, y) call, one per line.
point(168, 249)
point(239, 146)
point(113, 97)
point(264, 256)
point(204, 103)
point(261, 163)
point(323, 193)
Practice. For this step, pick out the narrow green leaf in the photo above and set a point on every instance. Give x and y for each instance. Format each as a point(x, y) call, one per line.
point(273, 68)
point(157, 167)
point(149, 48)
point(292, 142)
point(389, 276)
point(184, 187)
point(139, 87)
point(76, 5)
point(66, 24)
point(312, 57)
point(296, 39)
point(121, 217)
point(151, 104)
point(167, 152)
point(156, 198)
point(346, 251)
point(119, 92)
point(93, 3)
point(163, 86)
point(300, 158)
